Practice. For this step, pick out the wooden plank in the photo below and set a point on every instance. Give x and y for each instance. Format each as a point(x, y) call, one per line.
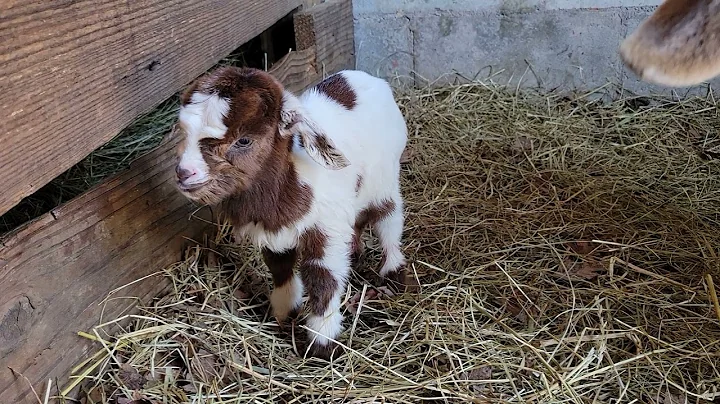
point(75, 73)
point(58, 269)
point(329, 28)
point(297, 69)
point(55, 271)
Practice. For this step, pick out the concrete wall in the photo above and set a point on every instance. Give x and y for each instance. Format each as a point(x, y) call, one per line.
point(566, 44)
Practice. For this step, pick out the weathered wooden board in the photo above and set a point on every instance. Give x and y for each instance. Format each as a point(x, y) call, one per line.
point(56, 271)
point(75, 73)
point(329, 28)
point(298, 70)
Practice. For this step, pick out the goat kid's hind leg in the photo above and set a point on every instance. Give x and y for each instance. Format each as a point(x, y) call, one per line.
point(389, 230)
point(325, 279)
point(287, 293)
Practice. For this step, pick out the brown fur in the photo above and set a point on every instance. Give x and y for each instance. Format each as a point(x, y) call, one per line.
point(372, 214)
point(274, 200)
point(358, 183)
point(280, 265)
point(338, 89)
point(320, 284)
point(677, 45)
point(259, 184)
point(312, 244)
point(318, 280)
point(327, 352)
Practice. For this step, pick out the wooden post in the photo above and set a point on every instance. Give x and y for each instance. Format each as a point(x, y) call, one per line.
point(328, 27)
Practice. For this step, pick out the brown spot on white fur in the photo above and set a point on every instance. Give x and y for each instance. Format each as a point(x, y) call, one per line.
point(320, 284)
point(280, 265)
point(372, 214)
point(358, 183)
point(312, 244)
point(338, 89)
point(318, 280)
point(676, 46)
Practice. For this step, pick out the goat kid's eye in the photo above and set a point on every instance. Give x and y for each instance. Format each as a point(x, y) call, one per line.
point(242, 143)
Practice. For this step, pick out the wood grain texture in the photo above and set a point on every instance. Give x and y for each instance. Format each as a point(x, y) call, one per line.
point(75, 73)
point(57, 270)
point(297, 70)
point(329, 28)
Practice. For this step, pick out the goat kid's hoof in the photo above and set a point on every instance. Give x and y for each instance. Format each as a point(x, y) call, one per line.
point(402, 281)
point(326, 352)
point(289, 321)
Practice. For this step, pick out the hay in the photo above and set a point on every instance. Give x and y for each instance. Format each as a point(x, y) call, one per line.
point(564, 249)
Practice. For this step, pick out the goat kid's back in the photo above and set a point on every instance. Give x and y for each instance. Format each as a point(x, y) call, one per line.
point(358, 111)
point(359, 114)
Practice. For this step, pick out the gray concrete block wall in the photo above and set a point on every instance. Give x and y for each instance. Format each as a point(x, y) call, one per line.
point(549, 44)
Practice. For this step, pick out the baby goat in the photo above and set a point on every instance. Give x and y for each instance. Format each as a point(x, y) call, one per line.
point(301, 177)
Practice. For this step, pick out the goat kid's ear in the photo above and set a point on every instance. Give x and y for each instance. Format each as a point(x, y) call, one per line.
point(318, 145)
point(676, 45)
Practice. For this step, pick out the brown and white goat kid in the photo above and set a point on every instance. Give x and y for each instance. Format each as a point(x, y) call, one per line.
point(301, 177)
point(678, 45)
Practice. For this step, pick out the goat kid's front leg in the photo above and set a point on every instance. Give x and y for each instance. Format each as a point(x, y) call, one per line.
point(287, 293)
point(325, 278)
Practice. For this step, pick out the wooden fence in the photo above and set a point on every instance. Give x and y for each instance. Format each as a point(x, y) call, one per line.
point(73, 75)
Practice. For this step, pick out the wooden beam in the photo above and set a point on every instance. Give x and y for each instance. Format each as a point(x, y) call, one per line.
point(329, 28)
point(58, 273)
point(57, 270)
point(297, 69)
point(73, 74)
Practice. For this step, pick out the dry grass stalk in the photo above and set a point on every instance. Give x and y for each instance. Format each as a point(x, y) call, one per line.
point(561, 246)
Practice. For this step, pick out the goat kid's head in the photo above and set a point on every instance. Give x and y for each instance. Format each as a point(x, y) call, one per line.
point(237, 126)
point(678, 45)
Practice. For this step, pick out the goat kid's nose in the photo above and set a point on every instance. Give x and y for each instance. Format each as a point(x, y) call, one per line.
point(183, 174)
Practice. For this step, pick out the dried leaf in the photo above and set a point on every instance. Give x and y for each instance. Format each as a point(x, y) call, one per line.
point(204, 365)
point(523, 144)
point(96, 395)
point(212, 259)
point(352, 304)
point(385, 291)
point(520, 308)
point(674, 399)
point(130, 377)
point(406, 156)
point(123, 400)
point(481, 373)
point(581, 247)
point(587, 270)
point(241, 294)
point(370, 294)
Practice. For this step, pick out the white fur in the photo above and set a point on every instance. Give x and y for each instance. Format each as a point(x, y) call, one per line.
point(286, 298)
point(201, 118)
point(371, 137)
point(327, 326)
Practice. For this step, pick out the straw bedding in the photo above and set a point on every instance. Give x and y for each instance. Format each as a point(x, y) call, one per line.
point(565, 251)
